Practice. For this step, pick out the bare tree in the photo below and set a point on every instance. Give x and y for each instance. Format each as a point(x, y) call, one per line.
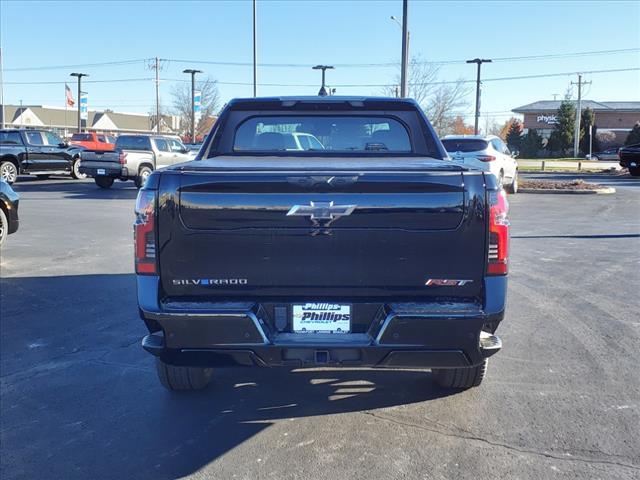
point(441, 101)
point(422, 77)
point(210, 102)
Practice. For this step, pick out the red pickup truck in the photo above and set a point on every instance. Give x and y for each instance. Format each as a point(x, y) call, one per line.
point(94, 141)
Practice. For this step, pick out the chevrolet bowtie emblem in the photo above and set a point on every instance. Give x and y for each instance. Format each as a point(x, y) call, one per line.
point(321, 212)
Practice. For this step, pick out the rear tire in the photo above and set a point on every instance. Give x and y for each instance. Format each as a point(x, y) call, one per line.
point(143, 174)
point(461, 378)
point(175, 378)
point(8, 171)
point(104, 182)
point(634, 171)
point(75, 169)
point(513, 186)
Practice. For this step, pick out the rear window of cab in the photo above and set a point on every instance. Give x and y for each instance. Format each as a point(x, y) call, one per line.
point(464, 145)
point(322, 134)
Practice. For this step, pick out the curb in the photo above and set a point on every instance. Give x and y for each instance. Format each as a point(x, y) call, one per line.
point(599, 191)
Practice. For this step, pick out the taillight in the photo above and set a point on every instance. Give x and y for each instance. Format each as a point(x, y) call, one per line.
point(498, 233)
point(143, 232)
point(486, 158)
point(122, 158)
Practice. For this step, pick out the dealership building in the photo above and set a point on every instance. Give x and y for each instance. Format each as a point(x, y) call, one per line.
point(65, 121)
point(614, 120)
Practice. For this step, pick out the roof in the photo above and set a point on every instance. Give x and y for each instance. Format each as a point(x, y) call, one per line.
point(318, 99)
point(469, 137)
point(57, 117)
point(554, 105)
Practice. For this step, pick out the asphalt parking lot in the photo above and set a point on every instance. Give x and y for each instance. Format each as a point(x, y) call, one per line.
point(80, 399)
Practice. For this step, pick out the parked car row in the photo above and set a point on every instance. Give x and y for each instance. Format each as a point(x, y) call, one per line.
point(134, 158)
point(129, 157)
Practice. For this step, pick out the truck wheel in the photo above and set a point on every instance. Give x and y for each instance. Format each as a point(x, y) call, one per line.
point(8, 172)
point(461, 377)
point(143, 174)
point(104, 182)
point(513, 186)
point(634, 171)
point(182, 378)
point(4, 226)
point(75, 169)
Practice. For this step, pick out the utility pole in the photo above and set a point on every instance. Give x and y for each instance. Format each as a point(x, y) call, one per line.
point(193, 102)
point(404, 73)
point(323, 89)
point(479, 62)
point(157, 67)
point(79, 76)
point(576, 132)
point(255, 48)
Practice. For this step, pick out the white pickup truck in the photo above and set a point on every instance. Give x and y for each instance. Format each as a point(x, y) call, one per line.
point(134, 158)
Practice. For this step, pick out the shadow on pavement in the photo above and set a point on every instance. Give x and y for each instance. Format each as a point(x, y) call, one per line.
point(78, 189)
point(80, 398)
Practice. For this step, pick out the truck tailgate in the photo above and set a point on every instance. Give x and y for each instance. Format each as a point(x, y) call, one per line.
point(314, 235)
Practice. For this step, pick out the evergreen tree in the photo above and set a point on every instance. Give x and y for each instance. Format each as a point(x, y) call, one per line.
point(561, 138)
point(587, 119)
point(531, 144)
point(634, 135)
point(514, 135)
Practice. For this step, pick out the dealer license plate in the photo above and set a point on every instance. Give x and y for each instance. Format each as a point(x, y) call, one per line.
point(101, 171)
point(321, 318)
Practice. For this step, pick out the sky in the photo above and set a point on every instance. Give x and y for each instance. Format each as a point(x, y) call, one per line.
point(70, 35)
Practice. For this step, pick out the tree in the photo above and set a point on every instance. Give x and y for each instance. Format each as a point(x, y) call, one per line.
point(442, 104)
point(587, 119)
point(531, 144)
point(439, 100)
point(514, 135)
point(634, 135)
point(561, 139)
point(210, 100)
point(461, 128)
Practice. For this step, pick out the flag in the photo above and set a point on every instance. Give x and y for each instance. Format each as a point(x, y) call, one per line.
point(69, 96)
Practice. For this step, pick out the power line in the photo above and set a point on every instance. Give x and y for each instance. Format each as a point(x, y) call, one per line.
point(346, 85)
point(78, 65)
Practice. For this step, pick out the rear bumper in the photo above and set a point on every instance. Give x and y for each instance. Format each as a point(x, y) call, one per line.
point(408, 335)
point(110, 170)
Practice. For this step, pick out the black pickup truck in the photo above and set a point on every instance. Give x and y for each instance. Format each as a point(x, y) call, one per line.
point(321, 231)
point(36, 152)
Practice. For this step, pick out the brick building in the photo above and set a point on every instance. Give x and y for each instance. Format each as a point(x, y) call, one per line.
point(614, 120)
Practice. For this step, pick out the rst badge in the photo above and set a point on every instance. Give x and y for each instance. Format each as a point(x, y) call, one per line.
point(446, 282)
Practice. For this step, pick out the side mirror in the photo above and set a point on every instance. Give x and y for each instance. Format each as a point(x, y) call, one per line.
point(63, 144)
point(185, 150)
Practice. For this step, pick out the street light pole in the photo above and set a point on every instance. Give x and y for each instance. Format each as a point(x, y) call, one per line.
point(255, 49)
point(193, 103)
point(404, 74)
point(323, 90)
point(479, 62)
point(79, 76)
point(393, 17)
